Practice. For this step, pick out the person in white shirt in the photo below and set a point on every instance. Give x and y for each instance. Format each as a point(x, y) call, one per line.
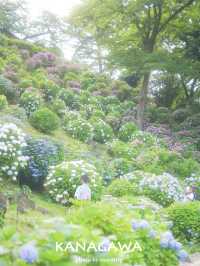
point(189, 194)
point(83, 191)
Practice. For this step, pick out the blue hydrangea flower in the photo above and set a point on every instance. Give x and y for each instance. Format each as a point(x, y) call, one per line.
point(182, 255)
point(164, 243)
point(144, 224)
point(135, 225)
point(28, 253)
point(152, 233)
point(168, 235)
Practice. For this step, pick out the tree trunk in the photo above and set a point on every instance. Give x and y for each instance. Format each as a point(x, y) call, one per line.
point(142, 100)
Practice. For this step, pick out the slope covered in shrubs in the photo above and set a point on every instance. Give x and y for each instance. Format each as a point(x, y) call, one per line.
point(58, 121)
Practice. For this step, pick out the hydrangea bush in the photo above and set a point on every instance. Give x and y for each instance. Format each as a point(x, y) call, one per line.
point(145, 138)
point(102, 131)
point(126, 131)
point(12, 141)
point(30, 101)
point(42, 154)
point(64, 178)
point(163, 189)
point(79, 129)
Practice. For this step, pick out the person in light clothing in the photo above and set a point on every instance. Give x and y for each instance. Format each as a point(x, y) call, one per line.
point(83, 191)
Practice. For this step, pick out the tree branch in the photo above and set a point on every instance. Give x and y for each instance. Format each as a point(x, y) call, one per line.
point(175, 14)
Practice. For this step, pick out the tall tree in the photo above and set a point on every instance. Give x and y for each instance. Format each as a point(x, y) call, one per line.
point(133, 30)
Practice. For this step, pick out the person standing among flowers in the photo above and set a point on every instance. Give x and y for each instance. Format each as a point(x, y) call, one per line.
point(189, 194)
point(83, 191)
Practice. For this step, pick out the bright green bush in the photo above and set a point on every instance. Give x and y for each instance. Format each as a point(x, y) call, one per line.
point(44, 120)
point(79, 128)
point(30, 101)
point(102, 131)
point(64, 179)
point(3, 102)
point(121, 187)
point(126, 131)
point(186, 221)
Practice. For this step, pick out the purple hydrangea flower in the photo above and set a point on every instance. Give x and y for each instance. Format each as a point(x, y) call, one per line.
point(144, 224)
point(135, 225)
point(182, 255)
point(28, 253)
point(105, 245)
point(173, 244)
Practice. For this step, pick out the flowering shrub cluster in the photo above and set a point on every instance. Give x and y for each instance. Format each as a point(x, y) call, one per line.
point(12, 140)
point(30, 101)
point(144, 138)
point(102, 131)
point(79, 129)
point(126, 131)
point(41, 59)
point(64, 178)
point(3, 102)
point(167, 240)
point(163, 189)
point(42, 153)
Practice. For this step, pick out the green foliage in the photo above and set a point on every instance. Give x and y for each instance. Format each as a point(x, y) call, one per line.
point(58, 106)
point(64, 179)
point(70, 98)
point(3, 102)
point(159, 114)
point(30, 101)
point(122, 90)
point(118, 148)
point(126, 131)
point(102, 131)
point(114, 120)
point(44, 120)
point(79, 129)
point(7, 88)
point(186, 222)
point(180, 115)
point(121, 187)
point(120, 166)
